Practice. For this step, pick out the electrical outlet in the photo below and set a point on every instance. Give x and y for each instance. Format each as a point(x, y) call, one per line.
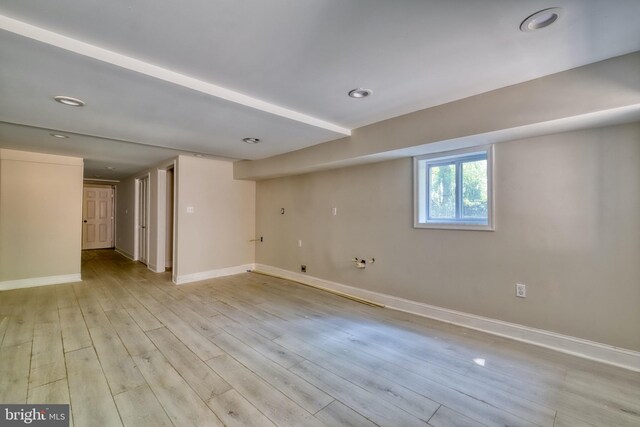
point(299, 243)
point(303, 268)
point(521, 290)
point(334, 211)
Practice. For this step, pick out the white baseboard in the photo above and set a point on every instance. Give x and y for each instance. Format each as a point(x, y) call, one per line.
point(124, 253)
point(608, 354)
point(155, 268)
point(220, 272)
point(39, 281)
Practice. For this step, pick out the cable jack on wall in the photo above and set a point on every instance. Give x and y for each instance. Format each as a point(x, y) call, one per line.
point(362, 263)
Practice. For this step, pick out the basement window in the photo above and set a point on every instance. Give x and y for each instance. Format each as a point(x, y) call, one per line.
point(454, 190)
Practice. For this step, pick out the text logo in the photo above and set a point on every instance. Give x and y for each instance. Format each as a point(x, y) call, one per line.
point(34, 415)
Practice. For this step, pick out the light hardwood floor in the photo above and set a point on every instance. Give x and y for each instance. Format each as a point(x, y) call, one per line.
point(127, 347)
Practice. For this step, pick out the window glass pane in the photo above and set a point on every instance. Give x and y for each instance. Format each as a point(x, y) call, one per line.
point(442, 191)
point(422, 191)
point(474, 189)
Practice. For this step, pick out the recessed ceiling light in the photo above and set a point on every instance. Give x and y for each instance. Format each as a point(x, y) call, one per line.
point(111, 168)
point(541, 19)
point(67, 100)
point(59, 135)
point(251, 140)
point(360, 93)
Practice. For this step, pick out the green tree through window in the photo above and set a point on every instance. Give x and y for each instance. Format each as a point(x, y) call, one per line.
point(453, 189)
point(474, 189)
point(442, 195)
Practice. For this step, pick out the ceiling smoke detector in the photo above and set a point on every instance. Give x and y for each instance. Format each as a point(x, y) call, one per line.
point(251, 140)
point(360, 93)
point(67, 100)
point(541, 19)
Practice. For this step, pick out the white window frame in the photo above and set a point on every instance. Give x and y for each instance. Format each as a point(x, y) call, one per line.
point(452, 157)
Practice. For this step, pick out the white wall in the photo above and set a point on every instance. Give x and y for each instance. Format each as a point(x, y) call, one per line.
point(40, 218)
point(125, 216)
point(214, 239)
point(567, 225)
point(216, 236)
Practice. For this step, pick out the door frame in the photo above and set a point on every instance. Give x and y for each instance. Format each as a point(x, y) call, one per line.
point(174, 240)
point(162, 220)
point(88, 183)
point(173, 168)
point(136, 217)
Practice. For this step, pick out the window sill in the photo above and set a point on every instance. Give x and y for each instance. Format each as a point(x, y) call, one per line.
point(455, 226)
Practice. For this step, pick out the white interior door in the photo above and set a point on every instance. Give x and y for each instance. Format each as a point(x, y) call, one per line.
point(143, 194)
point(97, 218)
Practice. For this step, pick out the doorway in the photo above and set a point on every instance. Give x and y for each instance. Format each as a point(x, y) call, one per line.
point(97, 217)
point(142, 219)
point(169, 218)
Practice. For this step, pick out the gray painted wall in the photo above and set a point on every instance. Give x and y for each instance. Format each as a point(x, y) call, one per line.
point(217, 234)
point(125, 216)
point(567, 225)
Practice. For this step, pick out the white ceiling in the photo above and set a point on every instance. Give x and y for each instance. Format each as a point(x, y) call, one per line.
point(199, 76)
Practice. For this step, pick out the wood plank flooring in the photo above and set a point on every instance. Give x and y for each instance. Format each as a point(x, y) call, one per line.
point(127, 347)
